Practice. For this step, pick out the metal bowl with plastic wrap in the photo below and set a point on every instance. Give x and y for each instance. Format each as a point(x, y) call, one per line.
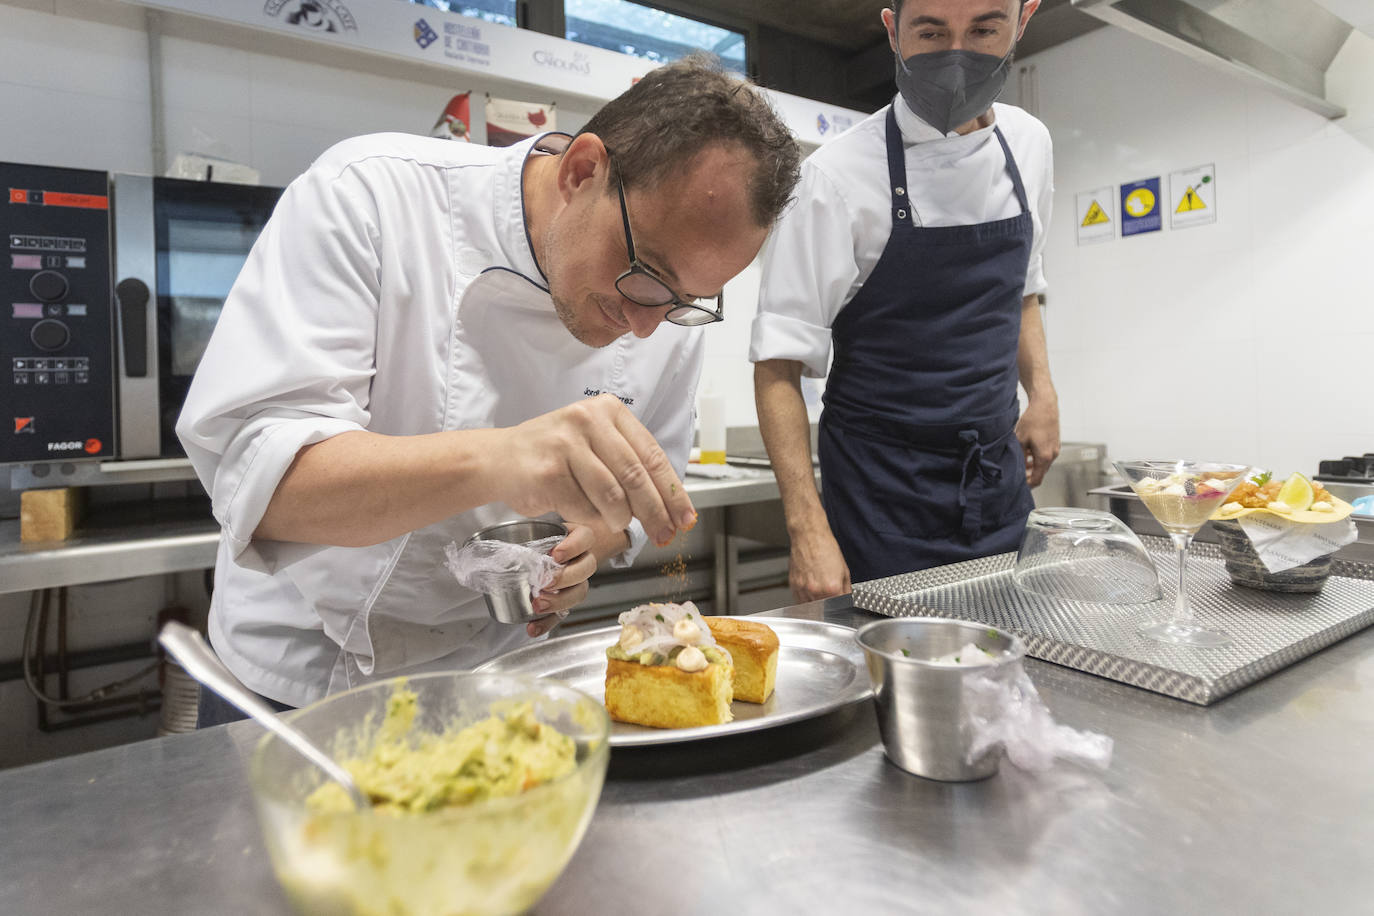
point(481, 787)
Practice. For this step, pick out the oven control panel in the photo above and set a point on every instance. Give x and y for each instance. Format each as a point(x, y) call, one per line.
point(57, 346)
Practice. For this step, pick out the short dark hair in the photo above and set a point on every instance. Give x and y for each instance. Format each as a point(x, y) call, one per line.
point(677, 110)
point(897, 6)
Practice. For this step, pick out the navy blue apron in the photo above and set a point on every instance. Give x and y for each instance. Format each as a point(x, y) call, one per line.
point(920, 465)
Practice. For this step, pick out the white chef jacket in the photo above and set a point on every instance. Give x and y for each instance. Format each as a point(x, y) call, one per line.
point(393, 290)
point(826, 244)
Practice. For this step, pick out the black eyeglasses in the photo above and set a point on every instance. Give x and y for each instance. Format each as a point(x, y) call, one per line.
point(643, 287)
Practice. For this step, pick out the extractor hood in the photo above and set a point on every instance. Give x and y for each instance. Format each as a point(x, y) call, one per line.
point(1282, 45)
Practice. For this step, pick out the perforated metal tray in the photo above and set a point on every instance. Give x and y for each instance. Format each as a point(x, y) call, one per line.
point(1270, 630)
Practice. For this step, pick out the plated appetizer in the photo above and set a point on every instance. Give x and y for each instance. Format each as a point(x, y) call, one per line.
point(674, 668)
point(1295, 498)
point(666, 670)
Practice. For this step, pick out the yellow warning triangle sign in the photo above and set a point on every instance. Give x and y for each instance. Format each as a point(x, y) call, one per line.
point(1097, 215)
point(1190, 201)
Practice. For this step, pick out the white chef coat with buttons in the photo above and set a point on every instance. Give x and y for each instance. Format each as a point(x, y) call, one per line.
point(393, 290)
point(828, 242)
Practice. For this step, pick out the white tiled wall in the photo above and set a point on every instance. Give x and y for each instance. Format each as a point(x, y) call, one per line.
point(1251, 339)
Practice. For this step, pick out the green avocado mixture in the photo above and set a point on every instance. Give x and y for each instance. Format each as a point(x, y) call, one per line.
point(713, 656)
point(476, 819)
point(493, 758)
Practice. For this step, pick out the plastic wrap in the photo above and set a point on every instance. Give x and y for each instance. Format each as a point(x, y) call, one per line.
point(1006, 709)
point(495, 566)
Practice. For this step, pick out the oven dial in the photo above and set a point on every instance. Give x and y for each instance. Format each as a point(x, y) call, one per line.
point(49, 334)
point(48, 285)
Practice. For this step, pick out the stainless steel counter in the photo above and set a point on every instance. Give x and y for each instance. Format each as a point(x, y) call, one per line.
point(1258, 804)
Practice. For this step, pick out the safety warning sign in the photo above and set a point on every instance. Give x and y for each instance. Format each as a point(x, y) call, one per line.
point(1140, 207)
point(1096, 221)
point(1193, 196)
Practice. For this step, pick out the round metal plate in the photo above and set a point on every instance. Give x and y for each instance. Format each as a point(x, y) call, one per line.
point(820, 668)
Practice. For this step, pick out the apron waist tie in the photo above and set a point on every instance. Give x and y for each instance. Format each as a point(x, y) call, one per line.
point(974, 472)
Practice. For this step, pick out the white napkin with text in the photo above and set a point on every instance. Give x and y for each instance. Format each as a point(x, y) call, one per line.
point(1283, 544)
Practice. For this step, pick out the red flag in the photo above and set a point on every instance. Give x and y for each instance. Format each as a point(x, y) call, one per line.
point(456, 120)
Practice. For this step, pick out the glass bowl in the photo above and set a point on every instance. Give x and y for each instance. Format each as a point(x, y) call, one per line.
point(495, 856)
point(1084, 555)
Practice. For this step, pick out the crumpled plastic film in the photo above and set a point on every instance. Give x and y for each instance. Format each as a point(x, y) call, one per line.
point(1006, 709)
point(495, 566)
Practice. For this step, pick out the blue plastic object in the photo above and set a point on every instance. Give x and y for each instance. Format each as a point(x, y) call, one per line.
point(1364, 505)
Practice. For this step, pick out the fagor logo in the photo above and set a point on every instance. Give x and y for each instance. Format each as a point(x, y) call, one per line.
point(89, 446)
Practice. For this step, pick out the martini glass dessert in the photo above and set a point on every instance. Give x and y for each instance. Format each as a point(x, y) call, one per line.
point(1182, 495)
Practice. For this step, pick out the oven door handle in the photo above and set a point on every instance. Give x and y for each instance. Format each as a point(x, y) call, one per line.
point(132, 296)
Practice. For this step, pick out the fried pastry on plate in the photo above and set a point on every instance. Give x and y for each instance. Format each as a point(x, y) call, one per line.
point(754, 648)
point(666, 670)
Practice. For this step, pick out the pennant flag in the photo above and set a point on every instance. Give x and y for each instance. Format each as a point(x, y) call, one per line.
point(456, 120)
point(510, 121)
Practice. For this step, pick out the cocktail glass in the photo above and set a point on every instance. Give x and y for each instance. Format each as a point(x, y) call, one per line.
point(1182, 494)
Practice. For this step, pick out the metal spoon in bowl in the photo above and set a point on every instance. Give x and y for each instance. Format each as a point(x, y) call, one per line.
point(189, 648)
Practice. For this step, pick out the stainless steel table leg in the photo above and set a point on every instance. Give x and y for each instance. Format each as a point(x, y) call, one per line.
point(731, 555)
point(720, 565)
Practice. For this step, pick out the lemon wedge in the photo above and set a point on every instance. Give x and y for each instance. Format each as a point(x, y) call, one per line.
point(1296, 493)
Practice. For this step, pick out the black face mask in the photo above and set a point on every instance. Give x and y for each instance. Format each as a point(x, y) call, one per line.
point(949, 88)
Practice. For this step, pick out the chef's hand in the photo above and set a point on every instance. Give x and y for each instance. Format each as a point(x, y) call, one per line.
point(579, 554)
point(592, 461)
point(817, 569)
point(1038, 433)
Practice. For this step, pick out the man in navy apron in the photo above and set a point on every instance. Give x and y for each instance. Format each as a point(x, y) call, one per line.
point(914, 249)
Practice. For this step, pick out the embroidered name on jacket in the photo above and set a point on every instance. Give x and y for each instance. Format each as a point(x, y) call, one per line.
point(593, 392)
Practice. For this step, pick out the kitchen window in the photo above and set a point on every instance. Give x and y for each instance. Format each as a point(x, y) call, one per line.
point(501, 12)
point(620, 25)
point(653, 34)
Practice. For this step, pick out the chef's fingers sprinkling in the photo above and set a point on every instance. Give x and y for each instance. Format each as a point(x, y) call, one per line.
point(666, 485)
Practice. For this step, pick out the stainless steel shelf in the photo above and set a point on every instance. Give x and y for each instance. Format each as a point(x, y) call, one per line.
point(124, 542)
point(149, 539)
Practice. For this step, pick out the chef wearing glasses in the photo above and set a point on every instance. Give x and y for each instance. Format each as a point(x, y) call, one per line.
point(430, 337)
point(915, 253)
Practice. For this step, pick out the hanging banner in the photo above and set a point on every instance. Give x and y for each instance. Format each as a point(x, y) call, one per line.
point(1193, 195)
point(473, 46)
point(1140, 207)
point(1096, 220)
point(455, 122)
point(510, 121)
